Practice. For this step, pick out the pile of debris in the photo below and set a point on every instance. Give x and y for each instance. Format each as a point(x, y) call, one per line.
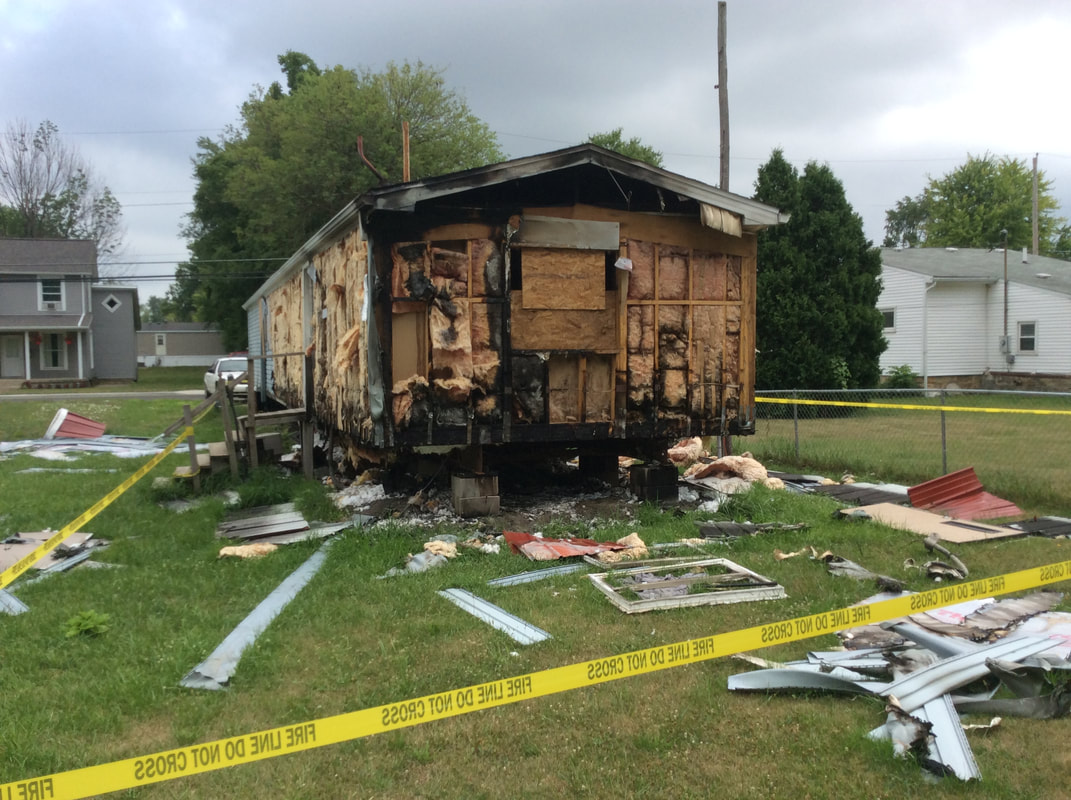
point(931, 667)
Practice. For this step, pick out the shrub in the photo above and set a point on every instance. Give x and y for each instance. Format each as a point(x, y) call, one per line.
point(902, 377)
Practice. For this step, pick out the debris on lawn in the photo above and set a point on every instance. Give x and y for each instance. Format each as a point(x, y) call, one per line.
point(634, 549)
point(9, 604)
point(960, 494)
point(687, 451)
point(61, 449)
point(14, 548)
point(359, 495)
point(281, 524)
point(940, 570)
point(261, 521)
point(732, 530)
point(917, 664)
point(843, 567)
point(538, 548)
point(683, 584)
point(215, 671)
point(927, 523)
point(68, 425)
point(484, 543)
point(729, 474)
point(516, 628)
point(1050, 527)
point(255, 550)
point(440, 548)
point(536, 575)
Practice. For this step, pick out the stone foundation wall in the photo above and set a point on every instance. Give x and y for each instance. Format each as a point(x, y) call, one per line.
point(1009, 381)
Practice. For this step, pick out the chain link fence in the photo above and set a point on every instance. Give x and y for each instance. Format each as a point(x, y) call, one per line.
point(1019, 443)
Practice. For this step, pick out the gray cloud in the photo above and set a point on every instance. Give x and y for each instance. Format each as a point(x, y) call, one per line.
point(886, 93)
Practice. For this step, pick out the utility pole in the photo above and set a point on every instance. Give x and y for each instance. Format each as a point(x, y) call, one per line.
point(1034, 213)
point(723, 99)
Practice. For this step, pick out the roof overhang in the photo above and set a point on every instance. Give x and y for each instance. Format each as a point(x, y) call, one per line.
point(731, 213)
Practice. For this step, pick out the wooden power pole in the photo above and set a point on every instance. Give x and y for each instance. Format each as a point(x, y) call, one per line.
point(1034, 212)
point(723, 99)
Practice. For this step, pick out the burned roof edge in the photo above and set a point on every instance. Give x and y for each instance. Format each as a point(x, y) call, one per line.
point(406, 195)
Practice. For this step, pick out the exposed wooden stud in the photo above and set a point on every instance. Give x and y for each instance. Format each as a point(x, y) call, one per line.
point(581, 393)
point(251, 425)
point(229, 432)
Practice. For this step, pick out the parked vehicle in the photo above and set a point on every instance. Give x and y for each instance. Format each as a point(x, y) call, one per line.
point(227, 368)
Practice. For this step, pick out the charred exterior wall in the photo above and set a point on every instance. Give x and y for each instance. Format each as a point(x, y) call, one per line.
point(517, 327)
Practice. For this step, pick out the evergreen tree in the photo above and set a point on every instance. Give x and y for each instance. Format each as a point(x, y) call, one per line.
point(818, 283)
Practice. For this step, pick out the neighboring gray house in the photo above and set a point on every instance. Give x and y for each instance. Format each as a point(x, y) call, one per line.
point(179, 344)
point(51, 310)
point(951, 317)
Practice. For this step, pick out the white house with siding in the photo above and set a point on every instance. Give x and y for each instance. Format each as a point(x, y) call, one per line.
point(974, 317)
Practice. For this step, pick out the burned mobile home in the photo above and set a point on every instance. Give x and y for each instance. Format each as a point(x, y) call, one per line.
point(577, 299)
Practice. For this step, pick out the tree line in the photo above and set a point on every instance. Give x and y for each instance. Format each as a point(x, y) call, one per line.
point(290, 163)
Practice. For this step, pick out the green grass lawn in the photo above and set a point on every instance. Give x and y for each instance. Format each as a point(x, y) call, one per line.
point(150, 379)
point(350, 641)
point(1021, 457)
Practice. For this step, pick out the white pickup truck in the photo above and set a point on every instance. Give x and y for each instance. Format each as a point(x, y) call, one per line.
point(226, 369)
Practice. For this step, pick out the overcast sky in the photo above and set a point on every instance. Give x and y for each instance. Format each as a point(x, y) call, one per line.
point(885, 93)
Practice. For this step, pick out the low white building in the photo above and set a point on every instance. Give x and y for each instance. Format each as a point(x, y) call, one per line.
point(977, 318)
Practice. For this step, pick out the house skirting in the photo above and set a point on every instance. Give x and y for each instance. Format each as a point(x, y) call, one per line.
point(1012, 381)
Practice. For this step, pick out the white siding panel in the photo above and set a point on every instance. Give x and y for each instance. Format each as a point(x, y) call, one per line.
point(902, 291)
point(1052, 312)
point(957, 329)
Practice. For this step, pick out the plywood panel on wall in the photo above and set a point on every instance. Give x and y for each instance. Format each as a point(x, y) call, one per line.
point(564, 279)
point(409, 345)
point(563, 388)
point(598, 389)
point(562, 329)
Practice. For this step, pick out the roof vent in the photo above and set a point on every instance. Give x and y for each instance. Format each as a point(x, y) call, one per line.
point(1025, 259)
point(951, 249)
point(1044, 275)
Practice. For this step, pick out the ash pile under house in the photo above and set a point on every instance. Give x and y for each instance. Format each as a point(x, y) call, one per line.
point(577, 299)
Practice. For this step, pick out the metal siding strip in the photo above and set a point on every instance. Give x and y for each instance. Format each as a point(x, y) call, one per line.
point(216, 670)
point(498, 618)
point(535, 575)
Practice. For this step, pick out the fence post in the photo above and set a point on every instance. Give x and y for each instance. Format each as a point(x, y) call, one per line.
point(796, 423)
point(944, 440)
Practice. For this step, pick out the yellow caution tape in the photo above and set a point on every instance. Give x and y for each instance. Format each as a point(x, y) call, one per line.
point(23, 564)
point(210, 756)
point(791, 401)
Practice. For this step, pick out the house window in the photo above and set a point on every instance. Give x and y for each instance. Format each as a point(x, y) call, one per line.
point(50, 294)
point(1028, 337)
point(889, 317)
point(160, 340)
point(112, 303)
point(54, 351)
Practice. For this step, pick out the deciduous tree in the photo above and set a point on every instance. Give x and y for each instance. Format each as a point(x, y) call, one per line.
point(632, 148)
point(291, 163)
point(971, 206)
point(47, 190)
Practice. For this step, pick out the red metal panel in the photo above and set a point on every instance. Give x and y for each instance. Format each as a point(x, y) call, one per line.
point(960, 494)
